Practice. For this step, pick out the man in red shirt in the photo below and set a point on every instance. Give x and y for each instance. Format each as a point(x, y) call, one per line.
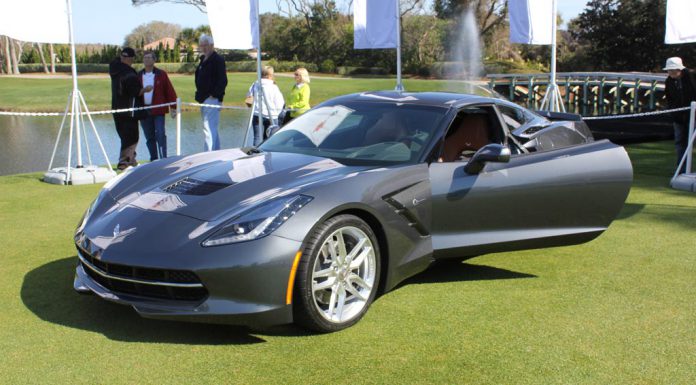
point(162, 92)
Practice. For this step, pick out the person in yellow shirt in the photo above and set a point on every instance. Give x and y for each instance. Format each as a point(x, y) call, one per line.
point(298, 102)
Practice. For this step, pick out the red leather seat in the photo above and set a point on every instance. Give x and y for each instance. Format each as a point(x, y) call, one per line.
point(471, 134)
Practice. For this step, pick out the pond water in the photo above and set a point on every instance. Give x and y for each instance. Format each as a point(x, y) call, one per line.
point(26, 143)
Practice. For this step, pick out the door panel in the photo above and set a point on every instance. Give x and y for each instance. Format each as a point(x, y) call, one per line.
point(551, 198)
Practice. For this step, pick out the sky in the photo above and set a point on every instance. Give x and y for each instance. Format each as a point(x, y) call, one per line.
point(109, 21)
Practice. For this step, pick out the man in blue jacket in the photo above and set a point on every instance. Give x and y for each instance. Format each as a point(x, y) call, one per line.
point(211, 81)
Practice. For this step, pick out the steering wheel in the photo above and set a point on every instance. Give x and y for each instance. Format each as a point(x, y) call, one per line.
point(415, 138)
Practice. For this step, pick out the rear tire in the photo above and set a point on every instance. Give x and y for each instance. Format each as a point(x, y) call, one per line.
point(338, 275)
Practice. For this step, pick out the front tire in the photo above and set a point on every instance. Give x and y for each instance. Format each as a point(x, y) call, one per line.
point(338, 275)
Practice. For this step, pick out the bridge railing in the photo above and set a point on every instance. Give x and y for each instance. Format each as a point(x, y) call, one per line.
point(588, 93)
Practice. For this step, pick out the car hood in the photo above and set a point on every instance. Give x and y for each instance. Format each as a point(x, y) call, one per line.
point(224, 183)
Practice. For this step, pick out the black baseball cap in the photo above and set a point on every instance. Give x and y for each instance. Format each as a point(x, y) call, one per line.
point(128, 52)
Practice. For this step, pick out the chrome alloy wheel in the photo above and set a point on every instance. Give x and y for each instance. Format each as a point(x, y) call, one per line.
point(343, 275)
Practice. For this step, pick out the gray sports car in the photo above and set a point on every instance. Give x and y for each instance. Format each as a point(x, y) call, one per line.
point(343, 203)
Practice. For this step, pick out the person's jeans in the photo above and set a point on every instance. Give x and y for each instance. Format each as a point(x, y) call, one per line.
point(155, 135)
point(211, 120)
point(259, 131)
point(681, 141)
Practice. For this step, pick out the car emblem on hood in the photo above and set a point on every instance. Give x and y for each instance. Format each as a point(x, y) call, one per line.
point(117, 230)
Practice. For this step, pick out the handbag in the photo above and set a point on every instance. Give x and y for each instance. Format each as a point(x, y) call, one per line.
point(249, 100)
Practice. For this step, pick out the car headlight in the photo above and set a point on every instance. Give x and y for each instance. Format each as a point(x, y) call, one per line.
point(258, 222)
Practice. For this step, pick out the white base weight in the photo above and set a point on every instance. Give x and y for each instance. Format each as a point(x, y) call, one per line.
point(686, 182)
point(79, 175)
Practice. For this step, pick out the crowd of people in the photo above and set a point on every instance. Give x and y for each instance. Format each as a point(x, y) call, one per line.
point(151, 87)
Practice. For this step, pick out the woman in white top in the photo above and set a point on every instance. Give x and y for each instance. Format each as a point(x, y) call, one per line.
point(273, 99)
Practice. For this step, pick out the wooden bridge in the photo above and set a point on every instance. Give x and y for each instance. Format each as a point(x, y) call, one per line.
point(587, 93)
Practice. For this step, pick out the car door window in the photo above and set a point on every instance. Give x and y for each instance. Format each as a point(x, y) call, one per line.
point(514, 117)
point(472, 128)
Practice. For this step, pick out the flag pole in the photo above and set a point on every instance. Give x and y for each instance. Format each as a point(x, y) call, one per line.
point(552, 99)
point(258, 93)
point(80, 174)
point(76, 106)
point(399, 84)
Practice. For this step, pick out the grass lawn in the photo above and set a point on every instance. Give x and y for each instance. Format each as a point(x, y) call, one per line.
point(51, 95)
point(618, 310)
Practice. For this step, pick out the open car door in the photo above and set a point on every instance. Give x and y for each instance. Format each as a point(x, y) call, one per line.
point(520, 199)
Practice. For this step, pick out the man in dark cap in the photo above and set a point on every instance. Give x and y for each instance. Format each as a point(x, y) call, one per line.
point(126, 92)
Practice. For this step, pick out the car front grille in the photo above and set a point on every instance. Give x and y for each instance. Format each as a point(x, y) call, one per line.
point(178, 285)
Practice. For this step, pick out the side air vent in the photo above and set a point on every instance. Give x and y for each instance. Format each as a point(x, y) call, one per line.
point(191, 186)
point(411, 219)
point(401, 210)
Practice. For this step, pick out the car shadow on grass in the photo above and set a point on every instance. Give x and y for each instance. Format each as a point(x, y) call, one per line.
point(629, 210)
point(453, 270)
point(47, 292)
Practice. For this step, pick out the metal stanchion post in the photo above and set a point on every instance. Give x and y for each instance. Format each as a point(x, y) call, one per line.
point(178, 126)
point(690, 143)
point(686, 181)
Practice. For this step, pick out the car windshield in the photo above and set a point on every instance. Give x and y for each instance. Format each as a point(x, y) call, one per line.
point(360, 132)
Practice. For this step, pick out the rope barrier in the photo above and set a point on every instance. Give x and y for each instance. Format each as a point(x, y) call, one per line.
point(229, 107)
point(607, 117)
point(216, 106)
point(105, 112)
point(9, 113)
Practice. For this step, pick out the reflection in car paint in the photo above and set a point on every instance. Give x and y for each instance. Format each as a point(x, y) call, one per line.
point(158, 201)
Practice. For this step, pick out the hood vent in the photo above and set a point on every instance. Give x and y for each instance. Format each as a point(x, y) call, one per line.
point(190, 186)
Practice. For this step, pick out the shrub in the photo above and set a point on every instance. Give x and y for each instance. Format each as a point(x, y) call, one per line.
point(327, 66)
point(349, 70)
point(63, 67)
point(181, 68)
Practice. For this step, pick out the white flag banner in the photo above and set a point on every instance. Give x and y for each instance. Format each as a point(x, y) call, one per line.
point(531, 21)
point(375, 24)
point(233, 23)
point(680, 22)
point(36, 21)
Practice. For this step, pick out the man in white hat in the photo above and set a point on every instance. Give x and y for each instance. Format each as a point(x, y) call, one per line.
point(680, 90)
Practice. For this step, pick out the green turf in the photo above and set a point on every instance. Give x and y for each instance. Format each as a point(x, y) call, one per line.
point(618, 310)
point(50, 95)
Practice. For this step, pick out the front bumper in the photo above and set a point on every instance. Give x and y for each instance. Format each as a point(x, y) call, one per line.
point(245, 284)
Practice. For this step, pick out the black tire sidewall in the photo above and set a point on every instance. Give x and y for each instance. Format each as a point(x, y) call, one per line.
point(305, 312)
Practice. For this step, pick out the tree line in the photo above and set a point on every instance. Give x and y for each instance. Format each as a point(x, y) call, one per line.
point(609, 35)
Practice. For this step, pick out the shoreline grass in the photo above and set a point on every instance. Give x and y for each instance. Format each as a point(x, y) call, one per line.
point(617, 310)
point(41, 94)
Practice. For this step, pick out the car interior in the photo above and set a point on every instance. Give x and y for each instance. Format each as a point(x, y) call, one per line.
point(471, 129)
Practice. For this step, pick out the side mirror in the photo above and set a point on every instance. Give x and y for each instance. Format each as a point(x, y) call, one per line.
point(488, 153)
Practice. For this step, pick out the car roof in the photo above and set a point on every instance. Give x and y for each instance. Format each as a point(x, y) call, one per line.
point(440, 99)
